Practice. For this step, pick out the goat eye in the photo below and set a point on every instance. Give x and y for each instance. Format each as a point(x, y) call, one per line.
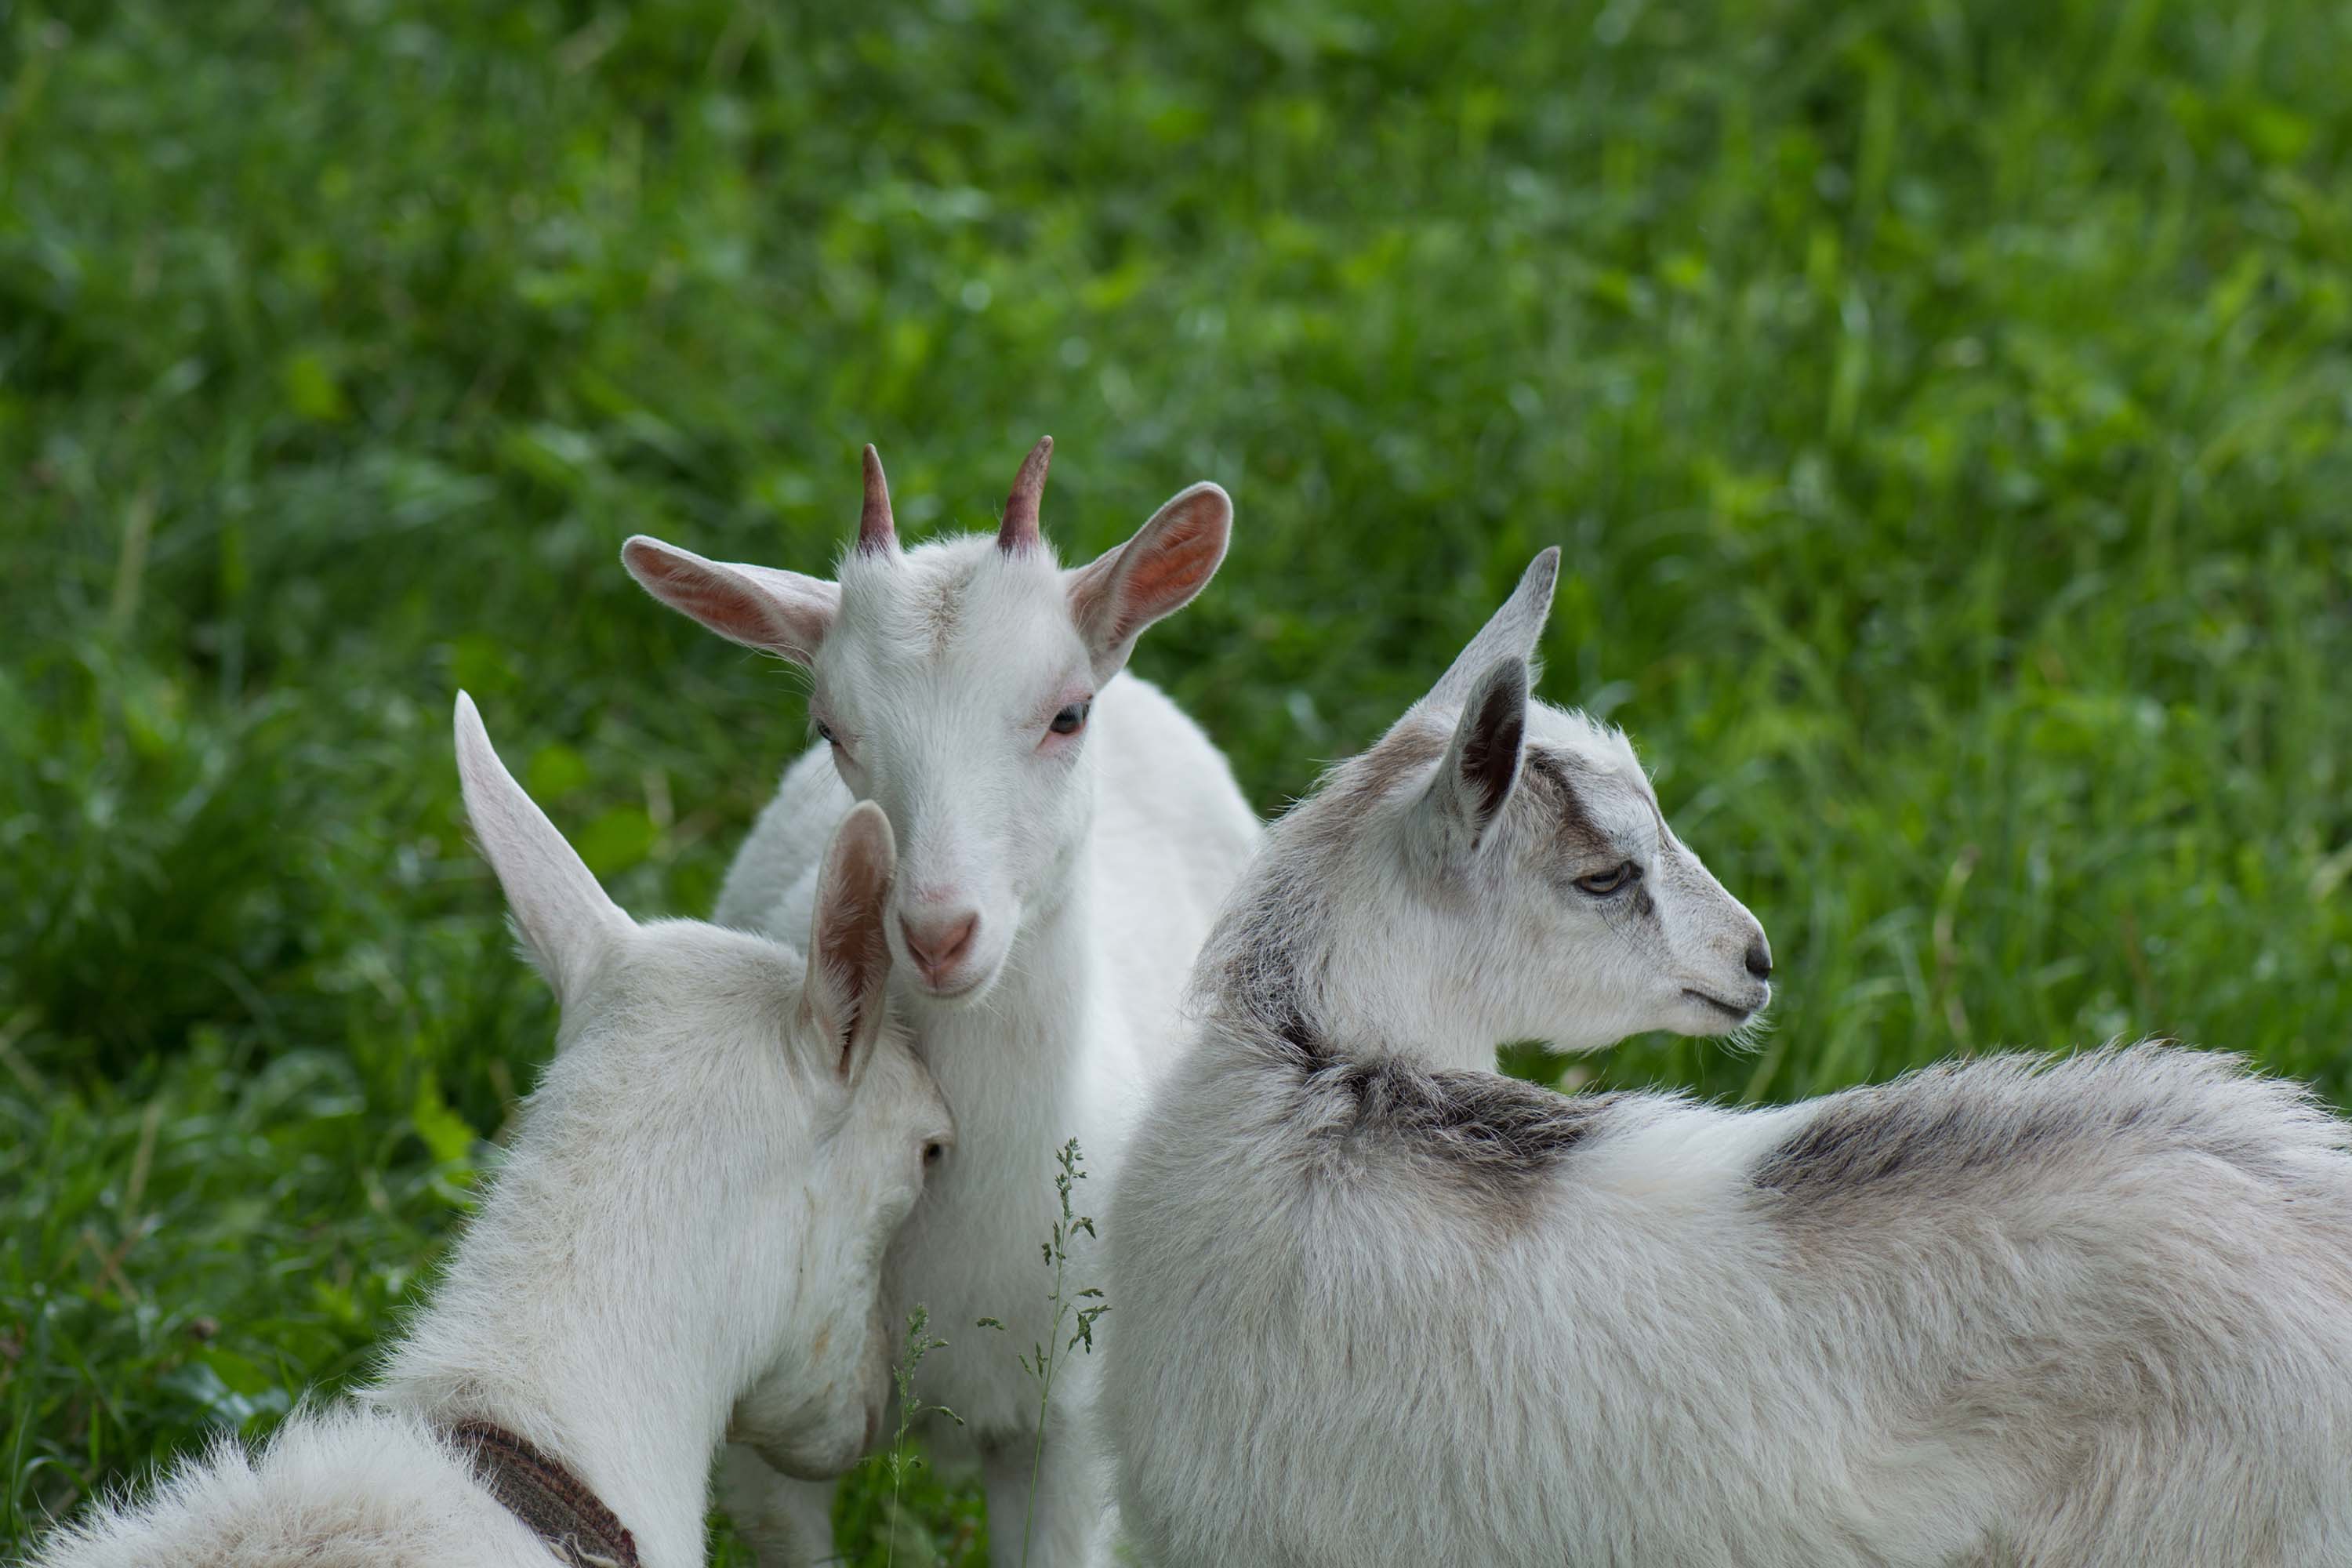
point(931, 1152)
point(1073, 719)
point(1604, 883)
point(825, 732)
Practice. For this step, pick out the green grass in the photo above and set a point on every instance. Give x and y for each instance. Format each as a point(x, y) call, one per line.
point(1947, 411)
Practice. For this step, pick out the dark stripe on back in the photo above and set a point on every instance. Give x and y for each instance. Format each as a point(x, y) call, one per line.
point(1477, 1123)
point(1871, 1138)
point(1945, 1127)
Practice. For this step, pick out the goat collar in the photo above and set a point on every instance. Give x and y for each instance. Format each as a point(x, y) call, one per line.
point(555, 1504)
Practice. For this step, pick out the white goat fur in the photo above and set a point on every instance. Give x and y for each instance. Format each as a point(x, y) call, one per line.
point(1096, 863)
point(698, 1193)
point(1378, 1305)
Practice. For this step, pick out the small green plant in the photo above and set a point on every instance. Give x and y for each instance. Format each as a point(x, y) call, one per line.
point(900, 1460)
point(1079, 1311)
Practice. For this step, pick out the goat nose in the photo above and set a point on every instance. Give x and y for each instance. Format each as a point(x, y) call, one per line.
point(937, 943)
point(1760, 959)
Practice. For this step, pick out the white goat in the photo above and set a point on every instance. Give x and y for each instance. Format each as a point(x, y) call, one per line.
point(1376, 1305)
point(1068, 836)
point(700, 1191)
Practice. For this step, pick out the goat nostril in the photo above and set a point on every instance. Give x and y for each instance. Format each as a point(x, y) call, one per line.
point(957, 940)
point(1760, 960)
point(936, 945)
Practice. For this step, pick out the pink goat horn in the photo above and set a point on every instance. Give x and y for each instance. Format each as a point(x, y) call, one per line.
point(876, 534)
point(1020, 530)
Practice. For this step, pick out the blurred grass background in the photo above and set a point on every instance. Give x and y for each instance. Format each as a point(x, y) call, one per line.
point(1944, 409)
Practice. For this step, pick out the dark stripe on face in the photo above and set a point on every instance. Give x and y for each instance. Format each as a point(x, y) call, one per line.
point(1580, 836)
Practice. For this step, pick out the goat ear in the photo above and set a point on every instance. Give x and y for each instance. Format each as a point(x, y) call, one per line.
point(562, 912)
point(1481, 761)
point(1155, 574)
point(776, 612)
point(1515, 631)
point(845, 998)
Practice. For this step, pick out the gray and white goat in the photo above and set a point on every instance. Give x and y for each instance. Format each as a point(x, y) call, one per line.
point(1378, 1304)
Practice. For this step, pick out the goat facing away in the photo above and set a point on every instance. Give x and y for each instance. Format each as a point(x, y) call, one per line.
point(698, 1193)
point(1376, 1304)
point(1068, 836)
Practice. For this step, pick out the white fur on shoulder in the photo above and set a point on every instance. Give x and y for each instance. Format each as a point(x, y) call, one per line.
point(1378, 1303)
point(1068, 836)
point(698, 1194)
point(346, 1487)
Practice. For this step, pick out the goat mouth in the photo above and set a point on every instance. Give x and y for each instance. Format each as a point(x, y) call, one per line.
point(1729, 1010)
point(963, 990)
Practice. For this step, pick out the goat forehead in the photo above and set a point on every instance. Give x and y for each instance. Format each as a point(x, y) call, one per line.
point(901, 1082)
point(934, 590)
point(1589, 771)
point(1591, 745)
point(958, 616)
point(672, 1035)
point(687, 943)
point(703, 977)
point(1567, 751)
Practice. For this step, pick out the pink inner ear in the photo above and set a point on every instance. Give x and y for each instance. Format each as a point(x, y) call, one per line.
point(695, 590)
point(720, 605)
point(1180, 563)
point(850, 958)
point(1152, 574)
point(724, 600)
point(853, 940)
point(851, 950)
